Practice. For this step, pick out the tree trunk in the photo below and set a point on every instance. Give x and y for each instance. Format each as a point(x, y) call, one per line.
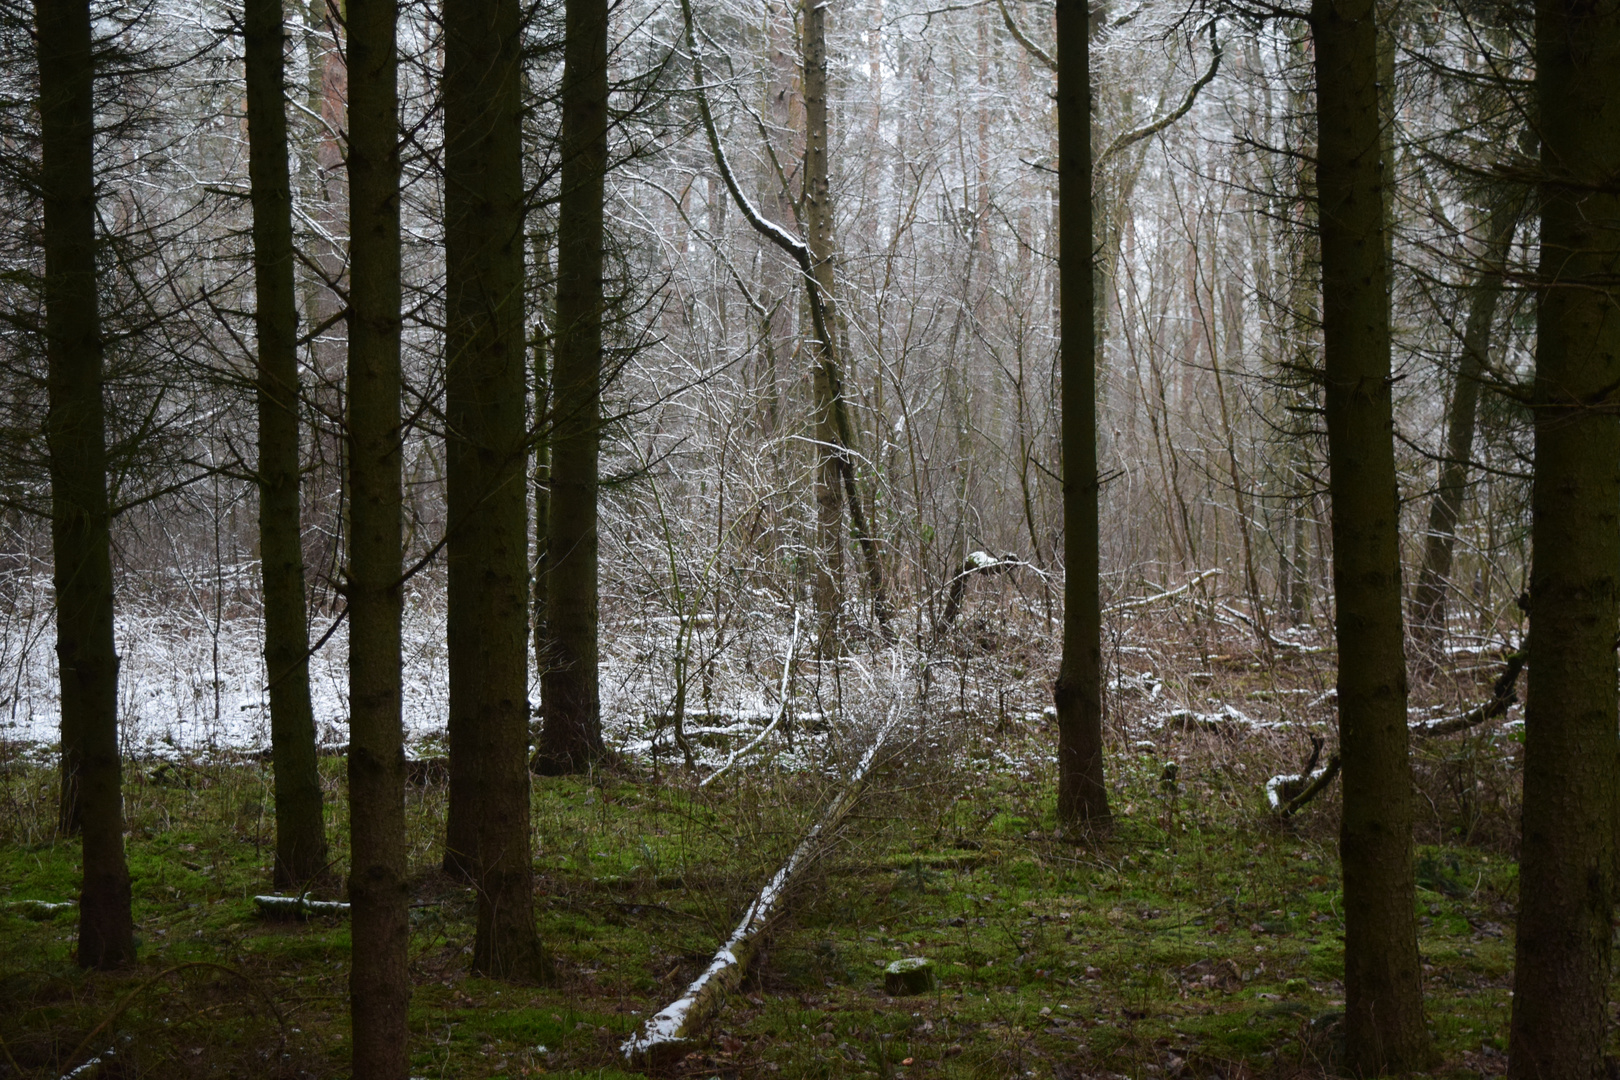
point(818, 219)
point(1082, 796)
point(379, 979)
point(1383, 991)
point(1429, 600)
point(488, 544)
point(571, 738)
point(1566, 874)
point(75, 431)
point(300, 829)
point(542, 450)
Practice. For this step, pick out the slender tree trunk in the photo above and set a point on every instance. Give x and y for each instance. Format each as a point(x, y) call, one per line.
point(542, 449)
point(379, 979)
point(571, 738)
point(75, 431)
point(818, 219)
point(488, 500)
point(300, 829)
point(1439, 542)
point(1383, 990)
point(1566, 871)
point(1082, 796)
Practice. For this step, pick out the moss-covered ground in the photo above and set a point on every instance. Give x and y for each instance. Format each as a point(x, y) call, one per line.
point(1201, 938)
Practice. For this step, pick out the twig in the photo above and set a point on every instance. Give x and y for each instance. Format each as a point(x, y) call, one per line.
point(1144, 601)
point(1131, 137)
point(781, 711)
point(1321, 779)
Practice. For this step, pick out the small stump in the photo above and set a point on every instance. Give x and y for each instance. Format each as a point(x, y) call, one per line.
point(913, 975)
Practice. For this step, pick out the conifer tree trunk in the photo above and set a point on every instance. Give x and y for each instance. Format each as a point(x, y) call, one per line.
point(1082, 796)
point(75, 431)
point(1383, 993)
point(1429, 599)
point(488, 544)
point(1566, 874)
point(571, 735)
point(379, 979)
point(300, 830)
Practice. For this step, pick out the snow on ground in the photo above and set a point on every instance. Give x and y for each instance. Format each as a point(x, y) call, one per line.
point(191, 683)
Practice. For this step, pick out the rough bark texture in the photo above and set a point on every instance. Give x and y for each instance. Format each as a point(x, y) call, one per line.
point(300, 830)
point(488, 831)
point(75, 432)
point(571, 736)
point(1429, 599)
point(818, 219)
point(379, 979)
point(1566, 875)
point(1082, 797)
point(1383, 992)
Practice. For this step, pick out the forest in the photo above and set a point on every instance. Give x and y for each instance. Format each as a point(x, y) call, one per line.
point(809, 538)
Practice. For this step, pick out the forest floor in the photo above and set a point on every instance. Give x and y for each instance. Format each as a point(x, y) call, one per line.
point(1203, 938)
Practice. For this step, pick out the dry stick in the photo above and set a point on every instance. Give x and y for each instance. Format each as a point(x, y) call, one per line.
point(1023, 39)
point(1128, 138)
point(1315, 788)
point(1144, 601)
point(1149, 130)
point(787, 674)
point(663, 1034)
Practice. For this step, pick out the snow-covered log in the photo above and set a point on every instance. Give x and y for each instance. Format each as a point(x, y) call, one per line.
point(297, 907)
point(38, 909)
point(1503, 694)
point(1288, 794)
point(665, 1034)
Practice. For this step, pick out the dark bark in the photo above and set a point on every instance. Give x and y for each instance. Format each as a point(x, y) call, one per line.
point(75, 432)
point(1566, 873)
point(1440, 541)
point(571, 735)
point(1082, 796)
point(379, 979)
point(300, 829)
point(1383, 991)
point(488, 830)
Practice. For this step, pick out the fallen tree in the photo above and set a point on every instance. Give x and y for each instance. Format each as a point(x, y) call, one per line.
point(1503, 694)
point(665, 1034)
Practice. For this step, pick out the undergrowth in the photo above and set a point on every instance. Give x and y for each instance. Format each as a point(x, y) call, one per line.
point(1201, 938)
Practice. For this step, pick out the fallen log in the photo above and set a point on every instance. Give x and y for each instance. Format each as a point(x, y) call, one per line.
point(665, 1034)
point(1319, 780)
point(39, 910)
point(297, 907)
point(977, 562)
point(1503, 694)
point(1287, 794)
